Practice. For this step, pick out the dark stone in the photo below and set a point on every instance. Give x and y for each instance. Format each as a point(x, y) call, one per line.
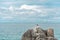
point(27, 35)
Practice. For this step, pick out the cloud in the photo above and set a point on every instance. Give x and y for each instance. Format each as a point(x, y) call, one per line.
point(31, 10)
point(30, 13)
point(28, 7)
point(11, 8)
point(31, 7)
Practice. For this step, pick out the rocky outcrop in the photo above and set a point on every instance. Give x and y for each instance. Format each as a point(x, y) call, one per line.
point(27, 35)
point(39, 34)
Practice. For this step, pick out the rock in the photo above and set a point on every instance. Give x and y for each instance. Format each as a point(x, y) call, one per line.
point(39, 34)
point(27, 35)
point(50, 32)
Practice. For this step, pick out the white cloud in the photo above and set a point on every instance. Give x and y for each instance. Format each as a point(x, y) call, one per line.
point(28, 7)
point(31, 11)
point(31, 7)
point(11, 8)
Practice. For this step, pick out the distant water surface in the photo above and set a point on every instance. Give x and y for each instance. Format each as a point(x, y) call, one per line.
point(15, 31)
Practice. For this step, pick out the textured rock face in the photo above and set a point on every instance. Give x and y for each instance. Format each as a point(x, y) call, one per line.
point(50, 32)
point(39, 34)
point(27, 35)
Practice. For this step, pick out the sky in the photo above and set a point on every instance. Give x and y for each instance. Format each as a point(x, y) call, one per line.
point(30, 11)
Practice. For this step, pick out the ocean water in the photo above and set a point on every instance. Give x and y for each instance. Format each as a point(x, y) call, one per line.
point(15, 31)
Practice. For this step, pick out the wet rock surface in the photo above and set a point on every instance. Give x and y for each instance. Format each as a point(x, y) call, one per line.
point(39, 34)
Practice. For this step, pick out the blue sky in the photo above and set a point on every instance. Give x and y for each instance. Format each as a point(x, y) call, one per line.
point(31, 11)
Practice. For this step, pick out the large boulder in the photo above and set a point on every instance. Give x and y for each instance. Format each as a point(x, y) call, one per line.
point(39, 34)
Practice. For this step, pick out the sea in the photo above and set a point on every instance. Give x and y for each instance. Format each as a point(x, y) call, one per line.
point(14, 31)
